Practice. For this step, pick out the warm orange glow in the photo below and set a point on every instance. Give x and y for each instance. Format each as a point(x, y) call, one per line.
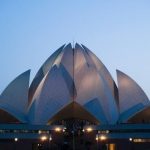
point(89, 129)
point(43, 138)
point(57, 129)
point(112, 146)
point(103, 138)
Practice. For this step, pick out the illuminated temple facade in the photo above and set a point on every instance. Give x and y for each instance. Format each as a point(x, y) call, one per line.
point(74, 83)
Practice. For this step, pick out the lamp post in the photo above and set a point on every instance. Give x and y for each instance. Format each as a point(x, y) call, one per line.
point(102, 138)
point(97, 139)
point(15, 143)
point(49, 141)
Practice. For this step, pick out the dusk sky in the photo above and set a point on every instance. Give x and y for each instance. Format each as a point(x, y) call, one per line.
point(117, 31)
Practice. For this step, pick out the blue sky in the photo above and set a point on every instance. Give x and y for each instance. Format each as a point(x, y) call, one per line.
point(117, 31)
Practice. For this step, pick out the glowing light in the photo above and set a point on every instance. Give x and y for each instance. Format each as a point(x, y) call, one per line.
point(43, 138)
point(96, 138)
point(107, 131)
point(83, 130)
point(89, 129)
point(16, 139)
point(64, 129)
point(130, 139)
point(139, 140)
point(50, 138)
point(39, 131)
point(103, 138)
point(57, 129)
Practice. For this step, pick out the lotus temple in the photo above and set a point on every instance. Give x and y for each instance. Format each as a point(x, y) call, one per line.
point(73, 103)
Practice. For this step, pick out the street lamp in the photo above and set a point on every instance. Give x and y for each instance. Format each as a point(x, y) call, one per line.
point(89, 129)
point(102, 137)
point(50, 138)
point(43, 138)
point(96, 137)
point(16, 139)
point(57, 129)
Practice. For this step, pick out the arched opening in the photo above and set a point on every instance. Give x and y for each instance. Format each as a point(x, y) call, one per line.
point(73, 116)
